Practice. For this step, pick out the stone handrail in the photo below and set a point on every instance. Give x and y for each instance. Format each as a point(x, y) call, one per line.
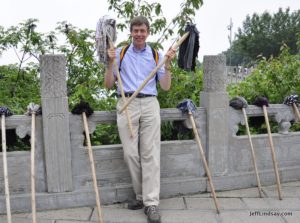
point(280, 113)
point(167, 114)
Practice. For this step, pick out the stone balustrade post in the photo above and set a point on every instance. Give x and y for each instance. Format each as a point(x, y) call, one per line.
point(56, 123)
point(214, 99)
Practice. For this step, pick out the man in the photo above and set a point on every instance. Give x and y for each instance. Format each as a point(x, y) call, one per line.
point(142, 152)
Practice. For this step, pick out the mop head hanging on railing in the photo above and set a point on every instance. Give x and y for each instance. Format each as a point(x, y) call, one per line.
point(292, 99)
point(188, 50)
point(82, 107)
point(238, 103)
point(5, 111)
point(261, 101)
point(106, 28)
point(33, 108)
point(259, 120)
point(186, 106)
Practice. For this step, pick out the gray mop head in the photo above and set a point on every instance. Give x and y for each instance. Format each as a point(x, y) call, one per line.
point(5, 111)
point(238, 103)
point(82, 107)
point(291, 99)
point(33, 108)
point(106, 28)
point(261, 101)
point(187, 105)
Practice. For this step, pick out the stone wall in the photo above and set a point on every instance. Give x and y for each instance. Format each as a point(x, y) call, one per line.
point(63, 175)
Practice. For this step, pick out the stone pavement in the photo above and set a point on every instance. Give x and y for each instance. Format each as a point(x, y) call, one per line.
point(237, 206)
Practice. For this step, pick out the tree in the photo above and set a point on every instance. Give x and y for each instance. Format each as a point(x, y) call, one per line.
point(85, 74)
point(29, 44)
point(274, 78)
point(127, 9)
point(263, 35)
point(18, 96)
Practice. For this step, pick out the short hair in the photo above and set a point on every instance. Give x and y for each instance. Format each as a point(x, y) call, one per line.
point(139, 20)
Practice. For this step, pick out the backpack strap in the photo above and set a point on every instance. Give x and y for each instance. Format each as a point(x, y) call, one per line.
point(122, 54)
point(155, 55)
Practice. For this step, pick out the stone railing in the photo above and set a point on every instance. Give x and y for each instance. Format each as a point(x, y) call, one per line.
point(237, 74)
point(63, 176)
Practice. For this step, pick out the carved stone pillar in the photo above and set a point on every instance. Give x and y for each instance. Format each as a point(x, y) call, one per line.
point(56, 123)
point(215, 99)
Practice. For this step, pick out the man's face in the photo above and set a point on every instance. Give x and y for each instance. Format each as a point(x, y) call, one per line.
point(139, 35)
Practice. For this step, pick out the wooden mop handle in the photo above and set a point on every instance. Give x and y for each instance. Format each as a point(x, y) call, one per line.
point(273, 152)
point(90, 152)
point(33, 203)
point(180, 41)
point(111, 45)
point(152, 74)
point(204, 161)
point(297, 111)
point(7, 198)
point(252, 152)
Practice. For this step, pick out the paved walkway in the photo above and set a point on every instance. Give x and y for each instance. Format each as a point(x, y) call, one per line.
point(237, 206)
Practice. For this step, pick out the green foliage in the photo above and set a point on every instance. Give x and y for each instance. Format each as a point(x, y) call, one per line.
point(263, 35)
point(274, 78)
point(18, 96)
point(184, 85)
point(105, 135)
point(175, 131)
point(295, 127)
point(20, 84)
point(255, 130)
point(13, 142)
point(262, 129)
point(84, 74)
point(127, 9)
point(81, 64)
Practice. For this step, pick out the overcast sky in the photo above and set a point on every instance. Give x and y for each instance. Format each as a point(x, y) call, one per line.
point(212, 18)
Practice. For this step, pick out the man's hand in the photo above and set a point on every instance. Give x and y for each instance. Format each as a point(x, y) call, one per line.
point(111, 52)
point(165, 81)
point(170, 54)
point(109, 79)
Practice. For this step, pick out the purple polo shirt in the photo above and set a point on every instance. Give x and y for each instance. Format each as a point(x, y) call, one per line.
point(135, 68)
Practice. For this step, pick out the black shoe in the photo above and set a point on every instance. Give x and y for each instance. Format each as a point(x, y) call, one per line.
point(135, 205)
point(153, 214)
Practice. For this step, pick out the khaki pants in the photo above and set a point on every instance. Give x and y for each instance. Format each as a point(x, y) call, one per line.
point(142, 152)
